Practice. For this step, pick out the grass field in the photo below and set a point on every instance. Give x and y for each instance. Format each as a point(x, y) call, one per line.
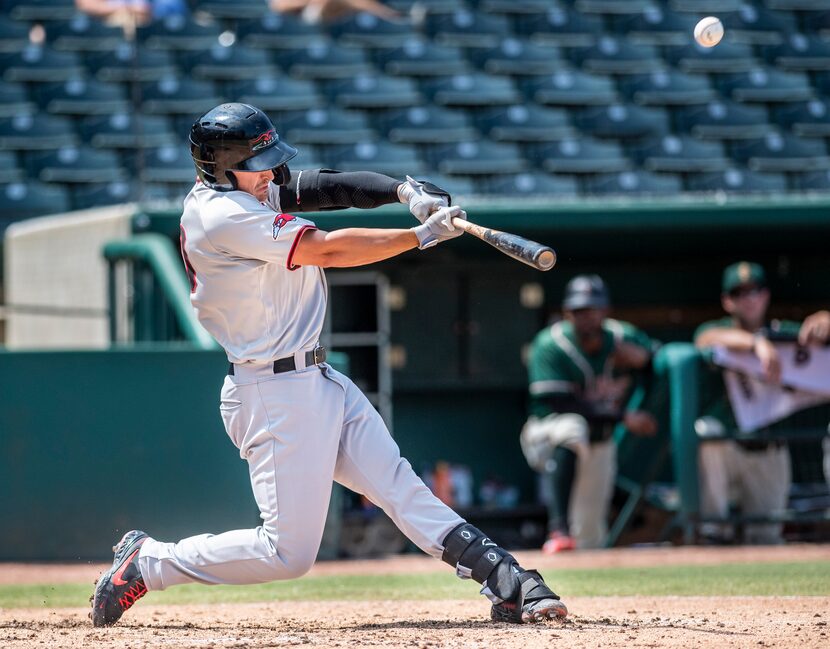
point(771, 579)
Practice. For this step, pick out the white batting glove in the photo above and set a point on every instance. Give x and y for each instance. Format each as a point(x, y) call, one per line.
point(439, 227)
point(423, 198)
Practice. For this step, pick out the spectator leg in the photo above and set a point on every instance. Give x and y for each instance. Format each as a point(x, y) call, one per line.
point(714, 467)
point(595, 474)
point(765, 488)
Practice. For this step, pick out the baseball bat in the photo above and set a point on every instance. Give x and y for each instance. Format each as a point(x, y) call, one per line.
point(524, 250)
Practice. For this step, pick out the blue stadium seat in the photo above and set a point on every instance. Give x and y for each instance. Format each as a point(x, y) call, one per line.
point(515, 7)
point(82, 97)
point(180, 33)
point(612, 6)
point(14, 100)
point(40, 64)
point(32, 132)
point(26, 199)
point(421, 58)
point(667, 88)
point(127, 130)
point(474, 89)
point(276, 93)
point(580, 155)
point(467, 28)
point(723, 120)
point(367, 30)
point(613, 55)
point(396, 160)
point(819, 22)
point(166, 164)
point(73, 165)
point(798, 5)
point(765, 85)
point(308, 157)
point(373, 91)
point(726, 57)
point(812, 181)
point(178, 96)
point(219, 63)
point(570, 88)
point(277, 31)
point(517, 57)
point(806, 119)
point(14, 36)
point(324, 126)
point(706, 7)
point(236, 9)
point(800, 52)
point(40, 10)
point(323, 59)
point(532, 183)
point(457, 186)
point(782, 152)
point(757, 25)
point(426, 124)
point(83, 33)
point(526, 122)
point(85, 197)
point(737, 180)
point(560, 25)
point(475, 158)
point(633, 182)
point(680, 154)
point(127, 63)
point(656, 25)
point(10, 171)
point(427, 6)
point(622, 121)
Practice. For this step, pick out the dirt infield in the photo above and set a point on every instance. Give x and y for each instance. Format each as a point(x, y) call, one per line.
point(792, 622)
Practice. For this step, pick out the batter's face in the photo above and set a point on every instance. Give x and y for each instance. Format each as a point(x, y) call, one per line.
point(747, 304)
point(254, 182)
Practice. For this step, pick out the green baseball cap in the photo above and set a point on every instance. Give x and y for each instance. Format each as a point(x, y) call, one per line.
point(741, 273)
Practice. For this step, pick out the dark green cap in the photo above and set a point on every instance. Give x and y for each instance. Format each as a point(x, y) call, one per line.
point(744, 272)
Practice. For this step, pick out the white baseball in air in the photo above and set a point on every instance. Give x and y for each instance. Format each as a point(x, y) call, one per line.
point(709, 31)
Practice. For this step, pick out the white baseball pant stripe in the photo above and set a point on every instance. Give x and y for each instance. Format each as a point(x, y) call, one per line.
point(299, 431)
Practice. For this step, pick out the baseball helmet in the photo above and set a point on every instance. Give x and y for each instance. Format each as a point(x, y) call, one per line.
point(237, 137)
point(586, 292)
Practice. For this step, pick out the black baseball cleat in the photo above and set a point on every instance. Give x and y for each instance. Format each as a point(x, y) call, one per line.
point(122, 585)
point(534, 602)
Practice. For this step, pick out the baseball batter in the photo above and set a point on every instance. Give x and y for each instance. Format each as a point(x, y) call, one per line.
point(258, 286)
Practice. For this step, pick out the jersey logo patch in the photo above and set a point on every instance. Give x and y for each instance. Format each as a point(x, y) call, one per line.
point(280, 222)
point(263, 140)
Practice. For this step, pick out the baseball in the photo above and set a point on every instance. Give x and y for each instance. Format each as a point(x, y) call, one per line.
point(709, 31)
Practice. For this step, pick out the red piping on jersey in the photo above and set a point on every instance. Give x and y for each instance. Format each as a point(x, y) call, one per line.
point(288, 263)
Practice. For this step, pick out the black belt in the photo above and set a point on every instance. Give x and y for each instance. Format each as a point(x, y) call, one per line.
point(755, 445)
point(287, 364)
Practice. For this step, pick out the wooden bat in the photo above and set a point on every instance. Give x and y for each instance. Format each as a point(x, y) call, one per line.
point(524, 250)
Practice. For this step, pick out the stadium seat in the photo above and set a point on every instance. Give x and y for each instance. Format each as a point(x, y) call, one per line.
point(782, 152)
point(426, 124)
point(31, 198)
point(235, 9)
point(40, 10)
point(475, 157)
point(85, 197)
point(308, 157)
point(127, 130)
point(14, 36)
point(517, 57)
point(373, 91)
point(276, 31)
point(40, 64)
point(427, 6)
point(613, 55)
point(807, 119)
point(533, 183)
point(467, 28)
point(633, 182)
point(276, 93)
point(75, 165)
point(819, 22)
point(325, 126)
point(474, 89)
point(182, 96)
point(656, 25)
point(457, 186)
point(82, 97)
point(726, 57)
point(800, 52)
point(812, 181)
point(396, 160)
point(680, 154)
point(622, 121)
point(180, 33)
point(36, 131)
point(524, 122)
point(83, 33)
point(570, 88)
point(10, 171)
point(166, 164)
point(757, 25)
point(514, 7)
point(723, 120)
point(419, 57)
point(367, 30)
point(14, 100)
point(219, 63)
point(323, 59)
point(798, 5)
point(560, 25)
point(611, 6)
point(765, 85)
point(580, 155)
point(737, 180)
point(706, 6)
point(128, 63)
point(667, 88)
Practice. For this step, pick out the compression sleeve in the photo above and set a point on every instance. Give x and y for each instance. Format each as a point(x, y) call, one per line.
point(317, 190)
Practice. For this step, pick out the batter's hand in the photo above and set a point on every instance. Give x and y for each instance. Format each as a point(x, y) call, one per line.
point(424, 198)
point(439, 227)
point(815, 330)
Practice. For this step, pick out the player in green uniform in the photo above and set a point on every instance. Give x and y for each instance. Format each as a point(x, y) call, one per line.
point(581, 373)
point(757, 472)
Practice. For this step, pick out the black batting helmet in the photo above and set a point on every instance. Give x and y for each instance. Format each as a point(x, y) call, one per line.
point(241, 137)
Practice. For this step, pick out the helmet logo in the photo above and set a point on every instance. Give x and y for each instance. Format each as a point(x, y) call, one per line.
point(263, 140)
point(280, 222)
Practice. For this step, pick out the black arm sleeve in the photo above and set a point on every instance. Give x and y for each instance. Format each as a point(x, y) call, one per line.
point(570, 403)
point(317, 190)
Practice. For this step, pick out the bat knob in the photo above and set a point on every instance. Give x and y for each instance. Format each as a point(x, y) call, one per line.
point(547, 259)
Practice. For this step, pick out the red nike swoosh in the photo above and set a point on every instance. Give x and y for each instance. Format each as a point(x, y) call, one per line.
point(116, 578)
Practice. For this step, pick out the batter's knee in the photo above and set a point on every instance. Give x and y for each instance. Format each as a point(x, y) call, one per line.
point(287, 562)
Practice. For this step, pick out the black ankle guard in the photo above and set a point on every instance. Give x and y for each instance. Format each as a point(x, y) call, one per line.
point(475, 556)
